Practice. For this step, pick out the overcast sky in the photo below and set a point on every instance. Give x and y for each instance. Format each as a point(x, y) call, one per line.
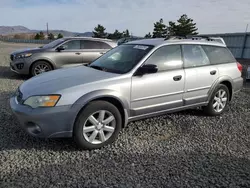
point(211, 16)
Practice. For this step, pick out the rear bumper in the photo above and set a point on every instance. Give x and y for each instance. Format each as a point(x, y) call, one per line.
point(238, 84)
point(44, 122)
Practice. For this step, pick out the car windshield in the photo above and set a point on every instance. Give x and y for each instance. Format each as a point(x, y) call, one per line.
point(53, 44)
point(121, 59)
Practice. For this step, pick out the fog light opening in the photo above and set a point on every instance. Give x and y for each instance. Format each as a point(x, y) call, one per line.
point(33, 128)
point(20, 65)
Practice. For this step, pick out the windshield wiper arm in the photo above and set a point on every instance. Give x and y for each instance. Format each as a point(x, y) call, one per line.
point(96, 67)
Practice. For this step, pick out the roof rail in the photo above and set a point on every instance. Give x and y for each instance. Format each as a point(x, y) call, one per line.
point(216, 39)
point(175, 37)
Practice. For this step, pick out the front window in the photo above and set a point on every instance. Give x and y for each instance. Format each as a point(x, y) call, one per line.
point(121, 59)
point(54, 43)
point(72, 45)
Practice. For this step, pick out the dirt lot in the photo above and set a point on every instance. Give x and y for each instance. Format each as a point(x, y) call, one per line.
point(185, 149)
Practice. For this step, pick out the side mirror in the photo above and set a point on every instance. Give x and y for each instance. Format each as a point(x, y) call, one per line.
point(60, 48)
point(146, 69)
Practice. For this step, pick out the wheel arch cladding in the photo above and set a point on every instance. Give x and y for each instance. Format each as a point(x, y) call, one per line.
point(230, 88)
point(107, 95)
point(42, 60)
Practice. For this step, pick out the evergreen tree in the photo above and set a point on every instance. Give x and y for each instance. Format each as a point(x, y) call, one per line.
point(99, 31)
point(59, 36)
point(51, 36)
point(184, 26)
point(42, 37)
point(160, 29)
point(37, 37)
point(126, 33)
point(148, 35)
point(115, 35)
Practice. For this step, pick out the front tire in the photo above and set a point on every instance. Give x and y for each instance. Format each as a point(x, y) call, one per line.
point(40, 67)
point(218, 101)
point(97, 125)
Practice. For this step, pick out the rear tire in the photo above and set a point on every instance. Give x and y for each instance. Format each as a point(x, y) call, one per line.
point(97, 125)
point(218, 102)
point(40, 67)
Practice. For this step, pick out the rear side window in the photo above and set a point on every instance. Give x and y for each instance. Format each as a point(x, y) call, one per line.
point(218, 55)
point(194, 56)
point(166, 58)
point(88, 44)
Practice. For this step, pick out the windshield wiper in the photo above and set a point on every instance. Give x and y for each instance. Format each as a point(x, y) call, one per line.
point(105, 69)
point(96, 67)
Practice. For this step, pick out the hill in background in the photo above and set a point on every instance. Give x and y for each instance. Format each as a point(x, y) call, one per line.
point(12, 30)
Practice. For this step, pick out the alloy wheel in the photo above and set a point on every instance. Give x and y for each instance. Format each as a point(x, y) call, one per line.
point(41, 68)
point(99, 127)
point(220, 100)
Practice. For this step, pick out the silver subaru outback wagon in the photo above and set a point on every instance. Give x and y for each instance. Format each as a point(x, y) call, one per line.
point(135, 80)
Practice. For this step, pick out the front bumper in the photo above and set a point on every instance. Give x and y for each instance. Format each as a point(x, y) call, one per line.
point(15, 66)
point(44, 122)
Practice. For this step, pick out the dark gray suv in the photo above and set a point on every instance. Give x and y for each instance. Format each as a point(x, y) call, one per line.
point(60, 53)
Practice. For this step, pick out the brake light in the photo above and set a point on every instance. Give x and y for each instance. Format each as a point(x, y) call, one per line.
point(239, 66)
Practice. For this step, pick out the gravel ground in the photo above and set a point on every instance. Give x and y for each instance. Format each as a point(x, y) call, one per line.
point(184, 149)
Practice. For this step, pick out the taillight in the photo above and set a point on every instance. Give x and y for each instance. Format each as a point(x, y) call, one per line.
point(239, 66)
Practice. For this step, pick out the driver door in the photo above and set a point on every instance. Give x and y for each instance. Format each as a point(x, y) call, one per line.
point(70, 56)
point(162, 90)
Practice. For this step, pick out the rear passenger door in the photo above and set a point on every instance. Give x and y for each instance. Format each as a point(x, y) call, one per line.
point(91, 50)
point(199, 73)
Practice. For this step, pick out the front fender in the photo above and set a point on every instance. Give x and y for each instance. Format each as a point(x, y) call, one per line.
point(35, 59)
point(85, 99)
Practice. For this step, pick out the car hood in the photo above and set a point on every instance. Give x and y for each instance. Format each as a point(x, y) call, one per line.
point(55, 81)
point(28, 50)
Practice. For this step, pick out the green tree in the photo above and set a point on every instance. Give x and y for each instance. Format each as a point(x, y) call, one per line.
point(37, 37)
point(99, 32)
point(126, 33)
point(148, 35)
point(160, 29)
point(51, 36)
point(59, 36)
point(115, 35)
point(42, 37)
point(184, 26)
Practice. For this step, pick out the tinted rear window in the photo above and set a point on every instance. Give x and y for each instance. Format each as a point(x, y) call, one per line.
point(218, 55)
point(88, 44)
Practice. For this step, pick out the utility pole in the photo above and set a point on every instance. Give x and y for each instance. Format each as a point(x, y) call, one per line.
point(246, 27)
point(47, 29)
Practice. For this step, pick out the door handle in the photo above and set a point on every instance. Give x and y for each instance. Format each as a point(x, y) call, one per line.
point(213, 72)
point(177, 78)
point(78, 53)
point(102, 53)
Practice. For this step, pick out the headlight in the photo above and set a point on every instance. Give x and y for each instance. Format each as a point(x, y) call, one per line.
point(23, 55)
point(42, 101)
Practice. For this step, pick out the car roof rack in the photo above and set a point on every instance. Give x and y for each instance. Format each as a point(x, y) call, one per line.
point(216, 39)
